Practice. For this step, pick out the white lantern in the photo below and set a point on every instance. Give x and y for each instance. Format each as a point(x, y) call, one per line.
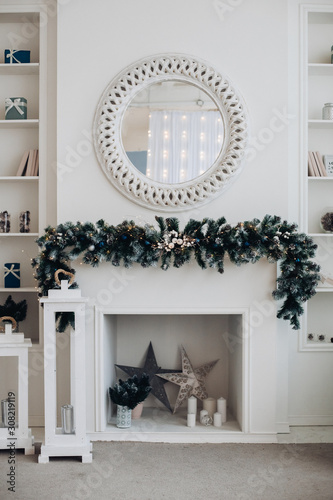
point(59, 443)
point(14, 431)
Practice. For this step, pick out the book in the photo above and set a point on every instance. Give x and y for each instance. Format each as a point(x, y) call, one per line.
point(316, 163)
point(36, 164)
point(31, 161)
point(320, 163)
point(23, 164)
point(311, 172)
point(313, 163)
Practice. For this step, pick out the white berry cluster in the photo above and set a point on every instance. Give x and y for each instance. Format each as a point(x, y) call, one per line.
point(174, 240)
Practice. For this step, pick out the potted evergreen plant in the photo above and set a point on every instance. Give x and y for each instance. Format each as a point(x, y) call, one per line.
point(127, 395)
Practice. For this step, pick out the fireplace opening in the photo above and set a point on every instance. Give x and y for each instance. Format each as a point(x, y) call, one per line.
point(123, 338)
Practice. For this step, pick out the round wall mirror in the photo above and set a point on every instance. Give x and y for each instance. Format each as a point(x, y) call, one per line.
point(170, 132)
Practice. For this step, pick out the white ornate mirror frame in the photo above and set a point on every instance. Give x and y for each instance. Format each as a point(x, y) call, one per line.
point(108, 124)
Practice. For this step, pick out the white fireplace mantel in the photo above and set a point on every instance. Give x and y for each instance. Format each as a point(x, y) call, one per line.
point(249, 401)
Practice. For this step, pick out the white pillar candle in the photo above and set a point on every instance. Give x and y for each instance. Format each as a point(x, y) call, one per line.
point(209, 404)
point(202, 414)
point(191, 419)
point(192, 405)
point(217, 419)
point(222, 408)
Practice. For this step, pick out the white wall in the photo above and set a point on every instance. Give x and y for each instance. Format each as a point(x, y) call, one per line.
point(247, 42)
point(95, 41)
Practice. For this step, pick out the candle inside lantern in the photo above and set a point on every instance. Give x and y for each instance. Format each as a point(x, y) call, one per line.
point(192, 405)
point(190, 420)
point(217, 419)
point(67, 419)
point(4, 412)
point(222, 408)
point(209, 404)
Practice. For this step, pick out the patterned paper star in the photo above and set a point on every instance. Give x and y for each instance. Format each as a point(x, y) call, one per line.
point(152, 369)
point(191, 382)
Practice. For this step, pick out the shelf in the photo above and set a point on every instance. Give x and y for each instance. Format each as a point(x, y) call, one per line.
point(33, 235)
point(314, 178)
point(18, 178)
point(324, 289)
point(320, 69)
point(320, 123)
point(19, 123)
point(19, 69)
point(25, 289)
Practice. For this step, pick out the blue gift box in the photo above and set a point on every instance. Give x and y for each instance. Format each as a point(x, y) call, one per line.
point(12, 275)
point(13, 56)
point(15, 108)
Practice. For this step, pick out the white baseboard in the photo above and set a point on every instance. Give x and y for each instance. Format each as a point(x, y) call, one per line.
point(310, 420)
point(36, 421)
point(282, 427)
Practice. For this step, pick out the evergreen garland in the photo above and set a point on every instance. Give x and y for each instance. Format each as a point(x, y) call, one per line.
point(208, 241)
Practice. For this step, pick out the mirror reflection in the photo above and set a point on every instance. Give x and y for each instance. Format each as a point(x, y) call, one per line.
point(172, 132)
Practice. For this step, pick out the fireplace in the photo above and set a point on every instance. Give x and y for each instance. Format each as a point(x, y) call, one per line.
point(123, 337)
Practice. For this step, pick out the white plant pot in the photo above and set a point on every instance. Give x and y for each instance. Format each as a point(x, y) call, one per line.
point(124, 415)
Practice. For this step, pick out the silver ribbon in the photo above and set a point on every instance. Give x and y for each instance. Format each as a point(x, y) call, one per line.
point(11, 271)
point(9, 104)
point(12, 57)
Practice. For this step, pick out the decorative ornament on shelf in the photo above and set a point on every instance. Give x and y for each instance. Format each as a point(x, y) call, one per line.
point(151, 369)
point(24, 222)
point(12, 275)
point(190, 380)
point(15, 108)
point(17, 56)
point(327, 113)
point(210, 241)
point(4, 222)
point(326, 220)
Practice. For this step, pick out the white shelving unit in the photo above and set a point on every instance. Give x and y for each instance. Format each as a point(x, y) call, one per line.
point(18, 194)
point(317, 135)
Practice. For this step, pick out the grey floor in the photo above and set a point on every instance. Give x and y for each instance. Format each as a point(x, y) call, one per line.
point(153, 471)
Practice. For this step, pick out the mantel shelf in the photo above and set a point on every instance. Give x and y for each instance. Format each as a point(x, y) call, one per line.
point(19, 123)
point(19, 69)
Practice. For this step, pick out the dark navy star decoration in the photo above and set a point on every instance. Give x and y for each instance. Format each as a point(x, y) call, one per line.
point(152, 369)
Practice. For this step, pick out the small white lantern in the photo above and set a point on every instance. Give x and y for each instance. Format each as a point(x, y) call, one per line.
point(14, 415)
point(57, 442)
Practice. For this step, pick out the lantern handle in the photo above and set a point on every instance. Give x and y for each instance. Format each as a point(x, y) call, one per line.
point(3, 319)
point(56, 274)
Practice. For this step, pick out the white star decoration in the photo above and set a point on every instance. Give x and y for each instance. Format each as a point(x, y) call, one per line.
point(191, 381)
